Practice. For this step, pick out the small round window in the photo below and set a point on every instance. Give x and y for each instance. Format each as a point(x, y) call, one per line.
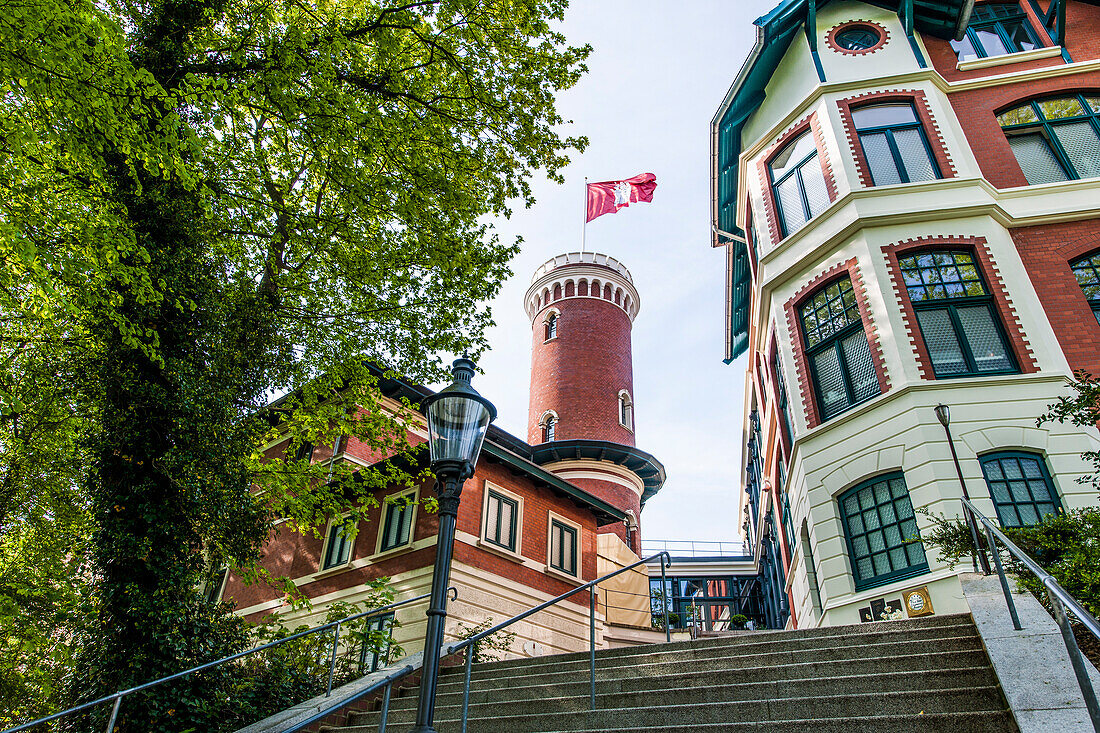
point(857, 37)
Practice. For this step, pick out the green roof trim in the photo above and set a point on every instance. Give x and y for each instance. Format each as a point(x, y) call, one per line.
point(775, 31)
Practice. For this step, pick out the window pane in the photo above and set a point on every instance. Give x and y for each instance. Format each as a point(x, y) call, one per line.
point(1087, 272)
point(1020, 116)
point(507, 523)
point(830, 382)
point(1017, 31)
point(1036, 159)
point(965, 49)
point(792, 154)
point(941, 342)
point(986, 345)
point(1059, 109)
point(914, 155)
point(991, 42)
point(882, 115)
point(492, 515)
point(790, 204)
point(814, 179)
point(879, 159)
point(1081, 144)
point(861, 368)
point(1094, 103)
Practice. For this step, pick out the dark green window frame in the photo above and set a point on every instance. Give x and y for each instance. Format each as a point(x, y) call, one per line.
point(831, 321)
point(397, 527)
point(890, 132)
point(879, 523)
point(498, 531)
point(782, 399)
point(1075, 115)
point(1087, 271)
point(1021, 487)
point(337, 546)
point(371, 659)
point(563, 547)
point(795, 171)
point(950, 281)
point(997, 23)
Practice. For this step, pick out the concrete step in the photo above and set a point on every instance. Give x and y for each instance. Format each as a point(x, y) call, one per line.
point(694, 688)
point(720, 659)
point(543, 716)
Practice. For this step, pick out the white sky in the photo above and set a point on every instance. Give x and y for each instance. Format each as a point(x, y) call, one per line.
point(657, 74)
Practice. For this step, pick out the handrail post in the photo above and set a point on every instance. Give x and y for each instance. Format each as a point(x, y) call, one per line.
point(1004, 581)
point(972, 525)
point(332, 661)
point(466, 686)
point(664, 599)
point(114, 714)
point(592, 646)
point(385, 707)
point(1075, 659)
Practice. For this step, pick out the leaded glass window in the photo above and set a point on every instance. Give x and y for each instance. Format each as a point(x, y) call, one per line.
point(1087, 272)
point(880, 527)
point(894, 144)
point(397, 528)
point(996, 29)
point(1055, 139)
point(837, 349)
point(563, 547)
point(338, 545)
point(955, 312)
point(1020, 486)
point(501, 514)
point(798, 183)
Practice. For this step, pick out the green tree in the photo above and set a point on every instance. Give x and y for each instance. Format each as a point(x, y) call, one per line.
point(205, 202)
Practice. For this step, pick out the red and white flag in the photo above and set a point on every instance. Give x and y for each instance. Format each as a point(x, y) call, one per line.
point(607, 197)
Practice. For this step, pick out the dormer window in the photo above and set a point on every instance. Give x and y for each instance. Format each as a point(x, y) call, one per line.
point(996, 29)
point(626, 410)
point(551, 326)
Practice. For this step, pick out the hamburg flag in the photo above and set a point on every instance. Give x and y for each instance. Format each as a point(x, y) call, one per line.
point(607, 197)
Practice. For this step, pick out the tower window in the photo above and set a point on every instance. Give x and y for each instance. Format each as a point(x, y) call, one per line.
point(626, 410)
point(880, 526)
point(1022, 490)
point(894, 144)
point(551, 326)
point(798, 183)
point(1087, 272)
point(1055, 139)
point(549, 425)
point(955, 311)
point(996, 29)
point(837, 349)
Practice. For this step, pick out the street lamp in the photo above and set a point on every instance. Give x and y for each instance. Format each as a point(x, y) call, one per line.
point(458, 418)
point(943, 414)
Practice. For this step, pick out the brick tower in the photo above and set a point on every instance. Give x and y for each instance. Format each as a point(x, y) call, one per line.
point(581, 420)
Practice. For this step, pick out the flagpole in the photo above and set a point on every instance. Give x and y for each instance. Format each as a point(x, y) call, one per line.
point(584, 226)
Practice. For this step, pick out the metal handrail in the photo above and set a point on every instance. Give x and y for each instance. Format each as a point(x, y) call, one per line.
point(1059, 599)
point(466, 644)
point(120, 694)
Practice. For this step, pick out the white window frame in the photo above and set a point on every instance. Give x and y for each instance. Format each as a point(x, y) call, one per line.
point(578, 554)
point(328, 540)
point(484, 540)
point(414, 505)
point(546, 416)
point(555, 313)
point(626, 400)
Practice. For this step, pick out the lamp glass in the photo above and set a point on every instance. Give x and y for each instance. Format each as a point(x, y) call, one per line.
point(943, 414)
point(456, 428)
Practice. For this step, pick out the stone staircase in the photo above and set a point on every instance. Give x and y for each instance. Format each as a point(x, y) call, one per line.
point(914, 676)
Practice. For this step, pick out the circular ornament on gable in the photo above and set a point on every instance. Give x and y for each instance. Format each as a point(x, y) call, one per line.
point(857, 37)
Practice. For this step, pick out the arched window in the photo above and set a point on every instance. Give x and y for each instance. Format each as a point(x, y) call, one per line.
point(955, 311)
point(1055, 139)
point(894, 144)
point(549, 425)
point(551, 325)
point(879, 525)
point(626, 410)
point(798, 183)
point(837, 349)
point(1087, 272)
point(1021, 487)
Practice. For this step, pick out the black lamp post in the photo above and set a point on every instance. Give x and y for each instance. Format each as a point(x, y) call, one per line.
point(458, 418)
point(943, 414)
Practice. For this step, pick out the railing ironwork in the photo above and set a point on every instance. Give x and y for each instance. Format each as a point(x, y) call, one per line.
point(1060, 602)
point(118, 696)
point(697, 548)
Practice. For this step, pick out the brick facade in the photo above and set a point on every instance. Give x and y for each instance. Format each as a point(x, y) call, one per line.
point(1047, 251)
point(1006, 311)
point(924, 113)
point(794, 326)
